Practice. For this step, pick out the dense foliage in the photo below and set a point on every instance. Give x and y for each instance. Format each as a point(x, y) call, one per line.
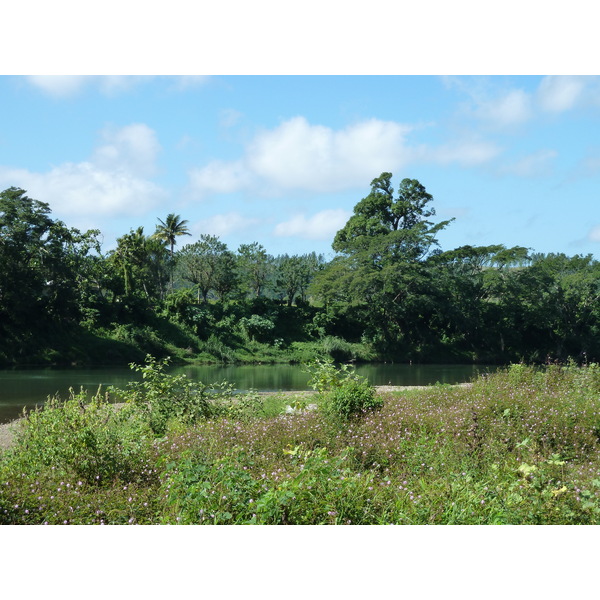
point(390, 293)
point(520, 446)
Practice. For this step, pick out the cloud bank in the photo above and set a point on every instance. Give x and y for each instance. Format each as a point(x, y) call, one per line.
point(321, 226)
point(300, 156)
point(113, 182)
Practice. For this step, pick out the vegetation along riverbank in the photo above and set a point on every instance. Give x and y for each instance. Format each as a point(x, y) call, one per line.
point(520, 446)
point(390, 292)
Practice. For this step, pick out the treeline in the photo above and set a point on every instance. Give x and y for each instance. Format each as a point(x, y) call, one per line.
point(390, 293)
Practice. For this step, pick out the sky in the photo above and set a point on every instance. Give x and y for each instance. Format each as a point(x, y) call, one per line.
point(282, 159)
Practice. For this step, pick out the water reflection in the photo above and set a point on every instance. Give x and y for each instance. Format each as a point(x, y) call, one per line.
point(27, 387)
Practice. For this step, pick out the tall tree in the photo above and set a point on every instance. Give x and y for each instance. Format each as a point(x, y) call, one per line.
point(168, 231)
point(389, 227)
point(255, 266)
point(131, 258)
point(199, 263)
point(42, 270)
point(382, 267)
point(293, 274)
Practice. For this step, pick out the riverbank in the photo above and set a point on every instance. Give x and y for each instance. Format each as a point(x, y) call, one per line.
point(7, 430)
point(516, 447)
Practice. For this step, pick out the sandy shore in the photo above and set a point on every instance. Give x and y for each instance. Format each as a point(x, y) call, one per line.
point(7, 433)
point(7, 430)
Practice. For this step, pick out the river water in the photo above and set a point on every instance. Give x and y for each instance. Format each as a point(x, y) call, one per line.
point(21, 388)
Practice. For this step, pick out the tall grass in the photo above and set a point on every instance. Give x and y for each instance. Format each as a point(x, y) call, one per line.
point(518, 447)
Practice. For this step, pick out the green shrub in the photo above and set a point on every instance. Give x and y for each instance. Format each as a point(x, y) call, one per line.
point(351, 399)
point(91, 439)
point(257, 328)
point(164, 397)
point(342, 393)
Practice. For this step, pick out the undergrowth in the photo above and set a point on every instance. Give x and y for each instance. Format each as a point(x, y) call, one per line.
point(520, 446)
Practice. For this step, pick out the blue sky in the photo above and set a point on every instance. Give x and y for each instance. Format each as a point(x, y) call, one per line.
point(282, 160)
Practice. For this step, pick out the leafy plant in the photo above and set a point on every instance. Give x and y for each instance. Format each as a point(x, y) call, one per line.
point(163, 397)
point(343, 393)
point(324, 490)
point(91, 439)
point(217, 491)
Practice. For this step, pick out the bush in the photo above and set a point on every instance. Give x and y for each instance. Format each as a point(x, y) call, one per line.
point(257, 328)
point(342, 393)
point(93, 440)
point(351, 399)
point(164, 397)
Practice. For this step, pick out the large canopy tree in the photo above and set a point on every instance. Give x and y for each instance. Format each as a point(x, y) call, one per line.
point(255, 267)
point(389, 227)
point(202, 265)
point(44, 269)
point(381, 265)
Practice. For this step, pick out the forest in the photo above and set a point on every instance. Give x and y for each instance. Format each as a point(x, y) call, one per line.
point(390, 293)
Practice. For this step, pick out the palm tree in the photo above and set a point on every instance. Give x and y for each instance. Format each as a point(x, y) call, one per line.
point(167, 231)
point(170, 228)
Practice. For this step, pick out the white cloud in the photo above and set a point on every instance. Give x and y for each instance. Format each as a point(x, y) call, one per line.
point(83, 189)
point(220, 177)
point(317, 158)
point(112, 183)
point(133, 148)
point(560, 93)
point(466, 153)
point(594, 234)
point(224, 224)
point(301, 156)
point(534, 165)
point(58, 85)
point(509, 109)
point(321, 226)
point(497, 108)
point(298, 156)
point(62, 86)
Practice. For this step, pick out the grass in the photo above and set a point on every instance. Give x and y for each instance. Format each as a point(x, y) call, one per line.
point(518, 447)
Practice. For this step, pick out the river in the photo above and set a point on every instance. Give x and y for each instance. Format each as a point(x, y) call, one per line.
point(21, 388)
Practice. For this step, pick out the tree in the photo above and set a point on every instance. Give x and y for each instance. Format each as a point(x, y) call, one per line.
point(129, 258)
point(289, 272)
point(390, 227)
point(42, 274)
point(168, 231)
point(255, 266)
point(381, 266)
point(293, 274)
point(199, 263)
point(226, 277)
